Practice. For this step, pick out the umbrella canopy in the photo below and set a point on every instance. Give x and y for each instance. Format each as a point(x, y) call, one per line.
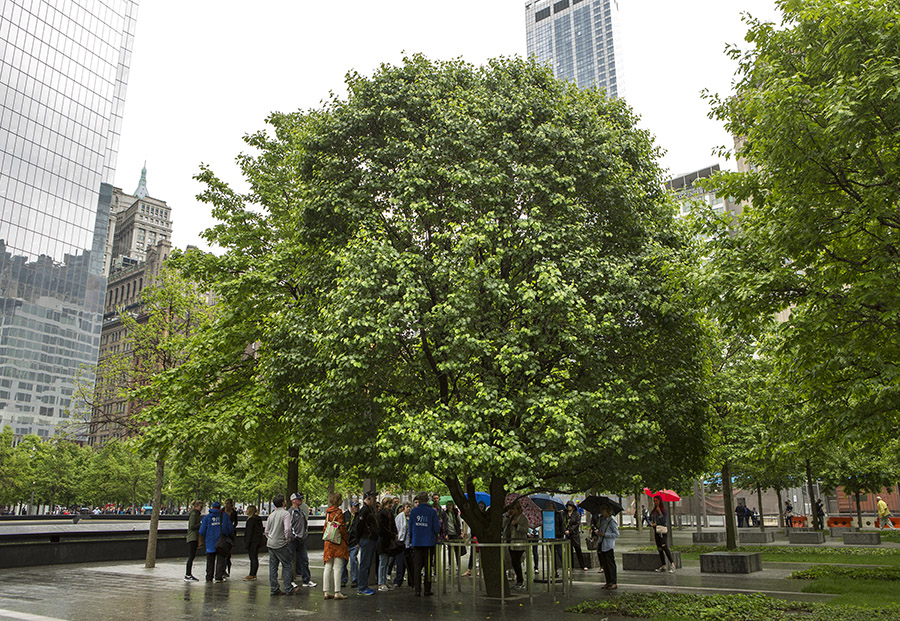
point(548, 503)
point(592, 504)
point(666, 495)
point(479, 497)
point(530, 510)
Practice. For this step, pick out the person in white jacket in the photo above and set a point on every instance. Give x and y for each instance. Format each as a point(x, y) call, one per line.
point(607, 531)
point(404, 560)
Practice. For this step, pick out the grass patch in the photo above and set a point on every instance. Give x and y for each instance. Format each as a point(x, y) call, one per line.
point(847, 573)
point(804, 554)
point(891, 536)
point(734, 607)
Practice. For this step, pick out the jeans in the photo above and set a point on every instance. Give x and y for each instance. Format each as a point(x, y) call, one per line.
point(366, 554)
point(354, 565)
point(331, 580)
point(383, 561)
point(283, 556)
point(301, 560)
point(192, 553)
point(608, 563)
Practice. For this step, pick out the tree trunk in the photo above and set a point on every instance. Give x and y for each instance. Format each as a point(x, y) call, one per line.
point(730, 537)
point(780, 505)
point(487, 527)
point(812, 496)
point(293, 470)
point(150, 561)
point(859, 522)
point(762, 521)
point(699, 513)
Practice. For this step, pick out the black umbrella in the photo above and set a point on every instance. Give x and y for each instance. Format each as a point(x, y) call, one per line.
point(592, 504)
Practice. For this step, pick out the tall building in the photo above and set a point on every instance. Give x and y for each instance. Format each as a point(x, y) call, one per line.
point(63, 74)
point(687, 192)
point(136, 223)
point(579, 38)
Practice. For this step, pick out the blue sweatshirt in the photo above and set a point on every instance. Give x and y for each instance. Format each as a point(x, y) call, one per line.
point(215, 524)
point(425, 526)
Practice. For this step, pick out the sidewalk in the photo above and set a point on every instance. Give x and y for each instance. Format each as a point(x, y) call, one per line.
point(127, 590)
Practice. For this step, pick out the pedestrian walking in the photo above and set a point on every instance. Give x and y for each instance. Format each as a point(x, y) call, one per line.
point(216, 530)
point(336, 554)
point(253, 536)
point(193, 534)
point(659, 522)
point(884, 514)
point(278, 537)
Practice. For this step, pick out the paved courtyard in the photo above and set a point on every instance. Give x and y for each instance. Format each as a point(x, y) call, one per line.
point(128, 590)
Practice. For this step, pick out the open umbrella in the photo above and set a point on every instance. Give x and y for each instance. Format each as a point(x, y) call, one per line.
point(592, 504)
point(666, 495)
point(479, 497)
point(530, 510)
point(548, 503)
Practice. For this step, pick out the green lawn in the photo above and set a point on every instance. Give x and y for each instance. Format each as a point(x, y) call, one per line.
point(855, 555)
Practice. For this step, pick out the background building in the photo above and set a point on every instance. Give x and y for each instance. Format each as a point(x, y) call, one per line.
point(687, 191)
point(63, 74)
point(580, 40)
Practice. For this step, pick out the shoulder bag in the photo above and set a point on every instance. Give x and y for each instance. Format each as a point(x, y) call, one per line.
point(332, 532)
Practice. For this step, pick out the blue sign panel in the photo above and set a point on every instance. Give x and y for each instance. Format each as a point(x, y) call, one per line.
point(549, 525)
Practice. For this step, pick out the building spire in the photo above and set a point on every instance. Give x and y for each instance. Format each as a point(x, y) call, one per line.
point(141, 191)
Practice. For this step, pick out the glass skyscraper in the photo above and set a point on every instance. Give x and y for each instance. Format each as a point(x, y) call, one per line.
point(63, 72)
point(579, 39)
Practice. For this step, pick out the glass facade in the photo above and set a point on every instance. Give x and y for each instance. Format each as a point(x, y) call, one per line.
point(63, 72)
point(578, 39)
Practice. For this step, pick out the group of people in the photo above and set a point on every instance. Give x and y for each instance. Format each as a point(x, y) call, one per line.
point(398, 540)
point(746, 516)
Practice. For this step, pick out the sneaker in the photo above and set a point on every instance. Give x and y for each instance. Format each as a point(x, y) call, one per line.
point(429, 593)
point(366, 592)
point(276, 593)
point(294, 585)
point(292, 591)
point(250, 578)
point(661, 569)
point(309, 584)
point(520, 586)
point(353, 585)
point(220, 579)
point(191, 579)
point(672, 569)
point(383, 587)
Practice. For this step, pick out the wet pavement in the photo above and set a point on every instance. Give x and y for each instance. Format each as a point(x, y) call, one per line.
point(128, 590)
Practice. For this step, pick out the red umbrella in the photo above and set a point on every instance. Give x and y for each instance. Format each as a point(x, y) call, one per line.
point(530, 510)
point(666, 495)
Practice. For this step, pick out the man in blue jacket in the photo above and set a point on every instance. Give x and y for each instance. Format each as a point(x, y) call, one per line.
point(214, 525)
point(425, 527)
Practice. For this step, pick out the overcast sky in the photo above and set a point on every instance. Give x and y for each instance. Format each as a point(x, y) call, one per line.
point(205, 73)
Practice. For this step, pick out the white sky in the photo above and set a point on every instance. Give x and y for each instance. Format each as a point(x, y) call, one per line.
point(206, 72)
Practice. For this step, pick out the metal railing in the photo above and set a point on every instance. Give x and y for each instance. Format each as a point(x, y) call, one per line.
point(554, 565)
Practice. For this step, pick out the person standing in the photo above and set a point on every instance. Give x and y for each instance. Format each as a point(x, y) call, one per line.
point(573, 532)
point(367, 530)
point(278, 535)
point(426, 527)
point(659, 522)
point(607, 531)
point(404, 559)
point(253, 534)
point(387, 535)
point(214, 526)
point(819, 512)
point(788, 514)
point(884, 514)
point(300, 531)
point(336, 555)
point(350, 522)
point(515, 529)
point(232, 515)
point(193, 534)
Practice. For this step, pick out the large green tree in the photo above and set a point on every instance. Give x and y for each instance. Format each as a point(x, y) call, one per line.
point(479, 276)
point(817, 101)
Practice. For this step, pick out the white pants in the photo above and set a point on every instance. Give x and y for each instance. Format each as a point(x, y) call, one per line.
point(331, 583)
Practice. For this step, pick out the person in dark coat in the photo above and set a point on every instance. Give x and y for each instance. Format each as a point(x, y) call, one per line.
point(573, 532)
point(215, 525)
point(253, 536)
point(232, 514)
point(193, 535)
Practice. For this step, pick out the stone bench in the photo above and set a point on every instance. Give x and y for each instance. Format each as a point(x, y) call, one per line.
point(730, 562)
point(810, 537)
point(839, 531)
point(798, 529)
point(862, 539)
point(764, 536)
point(712, 537)
point(646, 561)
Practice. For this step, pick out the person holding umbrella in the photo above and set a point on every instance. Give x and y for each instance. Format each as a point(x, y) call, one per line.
point(573, 532)
point(607, 531)
point(659, 521)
